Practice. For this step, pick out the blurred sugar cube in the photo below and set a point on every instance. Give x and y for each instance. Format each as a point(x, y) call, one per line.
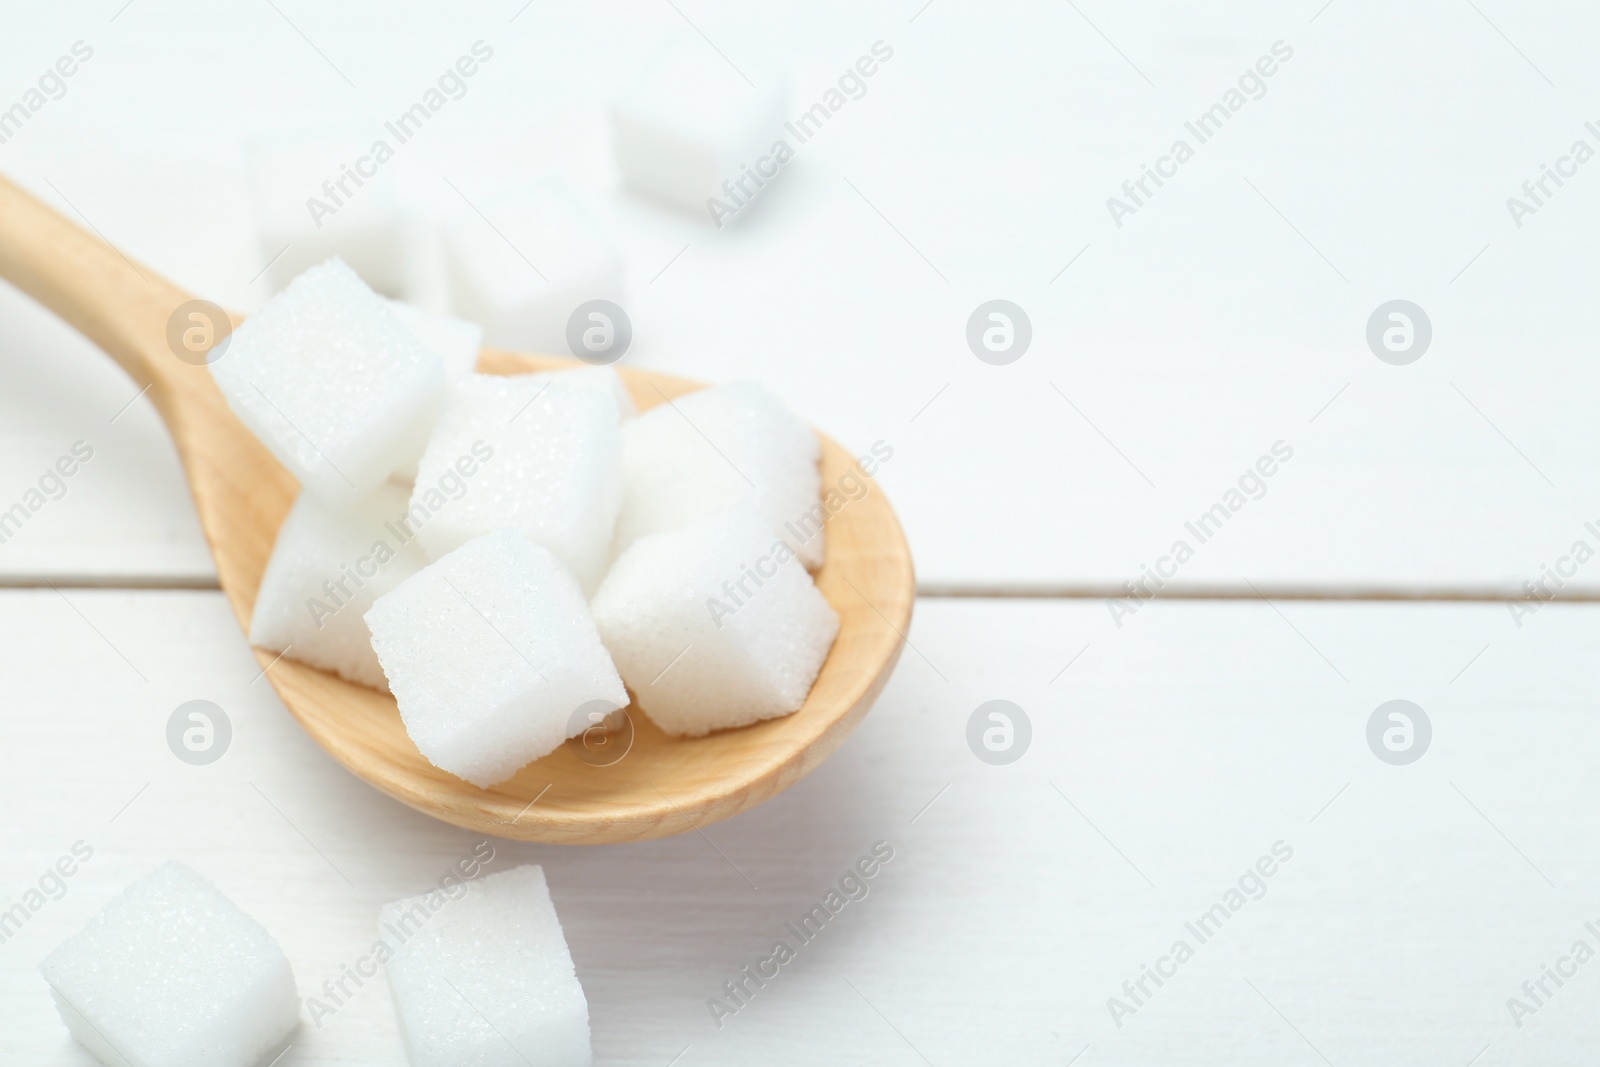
point(319, 193)
point(171, 973)
point(715, 624)
point(492, 656)
point(332, 384)
point(691, 128)
point(605, 379)
point(525, 264)
point(486, 978)
point(327, 567)
point(455, 341)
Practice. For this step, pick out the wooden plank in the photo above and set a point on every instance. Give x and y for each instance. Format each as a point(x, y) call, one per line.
point(1167, 757)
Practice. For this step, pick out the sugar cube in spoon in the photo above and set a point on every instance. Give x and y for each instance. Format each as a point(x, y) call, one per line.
point(715, 448)
point(554, 475)
point(455, 341)
point(492, 655)
point(327, 567)
point(714, 624)
point(331, 382)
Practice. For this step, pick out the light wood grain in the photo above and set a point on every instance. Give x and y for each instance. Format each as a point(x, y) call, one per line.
point(664, 785)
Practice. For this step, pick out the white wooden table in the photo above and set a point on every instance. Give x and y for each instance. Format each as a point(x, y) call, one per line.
point(1169, 753)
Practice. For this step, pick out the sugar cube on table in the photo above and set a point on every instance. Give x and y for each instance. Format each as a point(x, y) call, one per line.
point(492, 655)
point(485, 979)
point(554, 475)
point(327, 567)
point(714, 624)
point(709, 450)
point(171, 973)
point(312, 204)
point(691, 131)
point(332, 384)
point(455, 341)
point(525, 264)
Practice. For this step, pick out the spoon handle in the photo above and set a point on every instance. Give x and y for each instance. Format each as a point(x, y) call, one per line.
point(119, 304)
point(240, 493)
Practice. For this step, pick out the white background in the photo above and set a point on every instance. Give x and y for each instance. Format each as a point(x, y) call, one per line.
point(1226, 315)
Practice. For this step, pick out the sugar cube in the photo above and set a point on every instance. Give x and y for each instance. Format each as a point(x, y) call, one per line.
point(691, 131)
point(327, 567)
point(455, 341)
point(491, 653)
point(606, 379)
point(555, 475)
point(332, 384)
point(171, 973)
point(709, 450)
point(485, 979)
point(310, 206)
point(714, 624)
point(526, 263)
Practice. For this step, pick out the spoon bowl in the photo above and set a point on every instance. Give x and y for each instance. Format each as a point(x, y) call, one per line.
point(660, 785)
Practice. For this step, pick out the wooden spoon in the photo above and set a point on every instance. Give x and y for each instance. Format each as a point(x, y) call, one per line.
point(663, 785)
